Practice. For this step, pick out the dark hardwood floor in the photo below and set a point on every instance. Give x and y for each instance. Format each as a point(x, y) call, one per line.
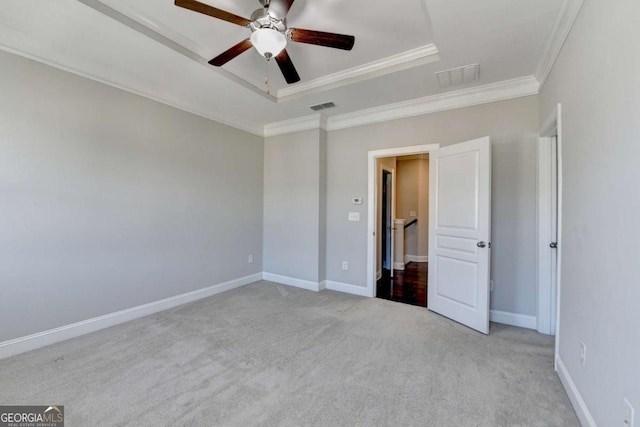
point(408, 286)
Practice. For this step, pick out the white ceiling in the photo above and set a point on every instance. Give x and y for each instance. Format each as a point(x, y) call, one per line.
point(156, 49)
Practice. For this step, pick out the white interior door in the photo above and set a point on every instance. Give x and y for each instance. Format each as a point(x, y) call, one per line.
point(460, 230)
point(548, 233)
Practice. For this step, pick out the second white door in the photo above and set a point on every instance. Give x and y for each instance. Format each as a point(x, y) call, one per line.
point(460, 230)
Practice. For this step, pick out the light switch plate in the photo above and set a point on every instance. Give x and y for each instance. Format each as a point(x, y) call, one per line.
point(354, 216)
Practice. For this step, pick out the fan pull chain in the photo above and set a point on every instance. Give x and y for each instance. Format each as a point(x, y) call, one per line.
point(266, 74)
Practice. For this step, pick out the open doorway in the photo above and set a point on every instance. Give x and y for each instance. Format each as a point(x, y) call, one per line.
point(403, 228)
point(387, 202)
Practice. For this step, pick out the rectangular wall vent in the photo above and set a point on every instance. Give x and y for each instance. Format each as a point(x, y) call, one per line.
point(324, 106)
point(458, 76)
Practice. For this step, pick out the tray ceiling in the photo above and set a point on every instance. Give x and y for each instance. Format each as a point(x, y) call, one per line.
point(153, 48)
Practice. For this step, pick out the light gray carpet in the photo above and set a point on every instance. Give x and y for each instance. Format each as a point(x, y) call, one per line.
point(272, 355)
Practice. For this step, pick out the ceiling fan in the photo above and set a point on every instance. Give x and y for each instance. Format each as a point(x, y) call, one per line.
point(269, 34)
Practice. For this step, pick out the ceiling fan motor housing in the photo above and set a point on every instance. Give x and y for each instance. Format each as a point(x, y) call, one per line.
point(260, 18)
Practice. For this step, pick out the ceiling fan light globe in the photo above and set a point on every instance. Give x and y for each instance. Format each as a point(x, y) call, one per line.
point(268, 41)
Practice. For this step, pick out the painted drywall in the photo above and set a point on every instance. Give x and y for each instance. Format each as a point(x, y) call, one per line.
point(110, 200)
point(322, 207)
point(423, 208)
point(407, 182)
point(293, 185)
point(597, 80)
point(513, 127)
point(413, 196)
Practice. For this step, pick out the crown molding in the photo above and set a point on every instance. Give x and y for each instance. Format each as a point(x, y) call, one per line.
point(127, 84)
point(299, 124)
point(402, 61)
point(500, 91)
point(508, 89)
point(567, 14)
point(519, 87)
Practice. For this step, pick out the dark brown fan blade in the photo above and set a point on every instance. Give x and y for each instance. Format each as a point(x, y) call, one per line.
point(286, 66)
point(231, 53)
point(279, 8)
point(196, 6)
point(338, 41)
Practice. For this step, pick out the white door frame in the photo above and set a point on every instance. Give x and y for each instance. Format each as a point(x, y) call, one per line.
point(546, 310)
point(372, 203)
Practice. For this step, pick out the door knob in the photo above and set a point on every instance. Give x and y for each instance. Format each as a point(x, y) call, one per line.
point(553, 245)
point(481, 244)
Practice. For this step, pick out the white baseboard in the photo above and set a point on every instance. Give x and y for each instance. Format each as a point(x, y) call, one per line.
point(514, 319)
point(415, 258)
point(292, 281)
point(398, 265)
point(579, 405)
point(347, 288)
point(52, 336)
point(322, 285)
point(378, 275)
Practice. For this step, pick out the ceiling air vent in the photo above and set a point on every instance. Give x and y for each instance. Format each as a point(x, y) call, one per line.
point(458, 76)
point(324, 106)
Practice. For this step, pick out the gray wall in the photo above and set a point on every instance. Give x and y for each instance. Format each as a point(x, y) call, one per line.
point(294, 204)
point(407, 200)
point(322, 208)
point(109, 200)
point(513, 127)
point(423, 208)
point(597, 79)
point(412, 189)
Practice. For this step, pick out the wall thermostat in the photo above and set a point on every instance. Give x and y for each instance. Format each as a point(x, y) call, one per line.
point(357, 200)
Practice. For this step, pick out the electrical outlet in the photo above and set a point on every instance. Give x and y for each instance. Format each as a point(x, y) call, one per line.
point(629, 413)
point(412, 214)
point(583, 353)
point(250, 259)
point(345, 265)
